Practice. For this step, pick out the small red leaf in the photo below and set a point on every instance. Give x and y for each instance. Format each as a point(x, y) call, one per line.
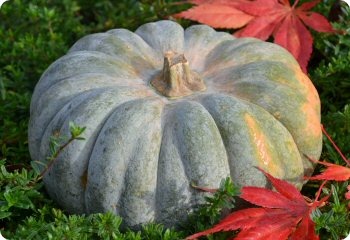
point(305, 230)
point(245, 218)
point(233, 221)
point(316, 21)
point(217, 15)
point(264, 197)
point(284, 188)
point(261, 27)
point(333, 172)
point(287, 36)
point(258, 7)
point(305, 45)
point(281, 228)
point(308, 5)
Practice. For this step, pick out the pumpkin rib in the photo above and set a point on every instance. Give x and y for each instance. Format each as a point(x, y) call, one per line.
point(83, 82)
point(117, 48)
point(180, 154)
point(254, 82)
point(91, 42)
point(269, 71)
point(35, 132)
point(236, 136)
point(201, 38)
point(138, 170)
point(188, 114)
point(74, 188)
point(76, 63)
point(46, 114)
point(138, 42)
point(213, 60)
point(285, 111)
point(57, 175)
point(168, 184)
point(121, 147)
point(249, 51)
point(163, 36)
point(95, 95)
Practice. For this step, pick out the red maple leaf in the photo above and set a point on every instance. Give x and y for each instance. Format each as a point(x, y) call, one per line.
point(332, 172)
point(284, 214)
point(218, 13)
point(263, 18)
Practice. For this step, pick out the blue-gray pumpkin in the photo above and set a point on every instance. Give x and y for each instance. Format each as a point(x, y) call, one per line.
point(164, 107)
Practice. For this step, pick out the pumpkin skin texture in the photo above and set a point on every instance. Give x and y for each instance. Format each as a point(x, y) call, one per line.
point(143, 149)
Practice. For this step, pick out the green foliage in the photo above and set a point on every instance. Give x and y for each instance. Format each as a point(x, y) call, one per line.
point(333, 222)
point(20, 189)
point(338, 126)
point(156, 231)
point(104, 14)
point(215, 207)
point(18, 196)
point(54, 224)
point(76, 131)
point(34, 34)
point(331, 75)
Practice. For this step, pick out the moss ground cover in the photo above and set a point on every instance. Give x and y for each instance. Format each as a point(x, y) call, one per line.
point(35, 33)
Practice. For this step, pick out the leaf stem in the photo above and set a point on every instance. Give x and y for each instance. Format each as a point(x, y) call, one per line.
point(335, 145)
point(75, 132)
point(54, 158)
point(320, 190)
point(295, 3)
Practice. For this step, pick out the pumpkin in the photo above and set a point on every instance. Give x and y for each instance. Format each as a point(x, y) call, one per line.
point(164, 107)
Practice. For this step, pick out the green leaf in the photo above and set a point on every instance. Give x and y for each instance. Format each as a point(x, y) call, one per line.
point(37, 166)
point(76, 130)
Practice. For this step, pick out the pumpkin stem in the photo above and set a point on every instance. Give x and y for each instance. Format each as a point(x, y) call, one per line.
point(177, 79)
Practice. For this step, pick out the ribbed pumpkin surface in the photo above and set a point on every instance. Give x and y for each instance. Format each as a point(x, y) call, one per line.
point(142, 149)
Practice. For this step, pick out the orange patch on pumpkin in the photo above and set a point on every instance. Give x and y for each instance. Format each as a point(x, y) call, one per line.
point(311, 108)
point(262, 148)
point(310, 90)
point(312, 121)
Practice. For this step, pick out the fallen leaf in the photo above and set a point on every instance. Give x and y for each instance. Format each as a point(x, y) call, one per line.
point(332, 172)
point(287, 25)
point(216, 15)
point(264, 18)
point(284, 214)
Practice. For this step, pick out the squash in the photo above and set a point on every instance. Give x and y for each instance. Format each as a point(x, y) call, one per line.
point(164, 107)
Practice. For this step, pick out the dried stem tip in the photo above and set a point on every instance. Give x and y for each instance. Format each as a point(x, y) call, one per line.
point(177, 79)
